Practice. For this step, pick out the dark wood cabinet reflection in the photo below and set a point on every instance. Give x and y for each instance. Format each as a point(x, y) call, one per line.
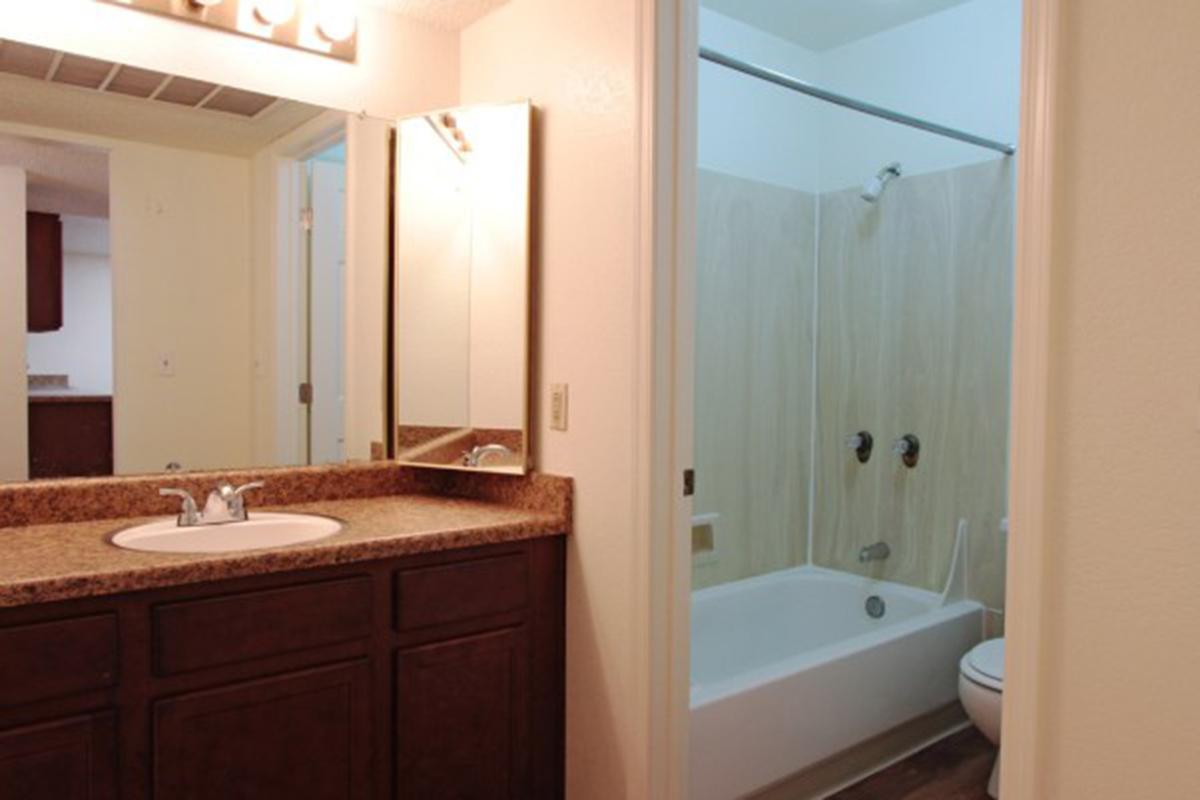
point(43, 272)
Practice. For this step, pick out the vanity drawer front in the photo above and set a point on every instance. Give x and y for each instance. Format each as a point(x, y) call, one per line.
point(199, 634)
point(445, 593)
point(53, 659)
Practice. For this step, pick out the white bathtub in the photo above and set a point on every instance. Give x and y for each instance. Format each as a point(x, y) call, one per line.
point(788, 669)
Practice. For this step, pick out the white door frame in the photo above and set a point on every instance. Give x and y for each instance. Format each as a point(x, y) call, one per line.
point(287, 253)
point(1021, 745)
point(667, 192)
point(669, 66)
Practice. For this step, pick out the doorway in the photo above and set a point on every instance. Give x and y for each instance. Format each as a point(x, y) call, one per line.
point(323, 229)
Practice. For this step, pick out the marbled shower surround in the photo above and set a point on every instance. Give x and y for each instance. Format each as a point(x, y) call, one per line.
point(914, 308)
point(754, 345)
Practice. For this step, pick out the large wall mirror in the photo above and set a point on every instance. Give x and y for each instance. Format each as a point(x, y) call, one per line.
point(192, 276)
point(195, 277)
point(462, 288)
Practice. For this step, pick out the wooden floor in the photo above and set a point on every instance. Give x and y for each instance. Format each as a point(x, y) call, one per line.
point(956, 768)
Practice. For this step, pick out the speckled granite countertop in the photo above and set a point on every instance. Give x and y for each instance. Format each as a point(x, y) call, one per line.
point(44, 563)
point(66, 559)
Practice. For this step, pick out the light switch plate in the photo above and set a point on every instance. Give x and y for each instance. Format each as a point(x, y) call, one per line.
point(166, 365)
point(558, 407)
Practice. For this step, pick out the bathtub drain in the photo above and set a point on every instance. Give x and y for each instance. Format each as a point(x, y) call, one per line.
point(875, 606)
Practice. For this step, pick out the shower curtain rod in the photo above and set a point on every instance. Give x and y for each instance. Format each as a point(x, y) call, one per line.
point(796, 85)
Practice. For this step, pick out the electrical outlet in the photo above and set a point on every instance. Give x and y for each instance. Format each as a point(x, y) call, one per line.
point(166, 365)
point(558, 407)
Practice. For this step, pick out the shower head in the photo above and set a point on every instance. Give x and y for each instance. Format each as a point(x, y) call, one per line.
point(875, 186)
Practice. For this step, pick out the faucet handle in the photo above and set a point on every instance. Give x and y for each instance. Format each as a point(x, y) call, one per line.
point(237, 499)
point(190, 514)
point(908, 447)
point(861, 443)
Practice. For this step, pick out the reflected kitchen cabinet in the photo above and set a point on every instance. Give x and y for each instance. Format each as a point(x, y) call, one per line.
point(44, 272)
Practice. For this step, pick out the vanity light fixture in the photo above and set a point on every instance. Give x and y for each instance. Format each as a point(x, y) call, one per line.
point(275, 12)
point(336, 19)
point(322, 27)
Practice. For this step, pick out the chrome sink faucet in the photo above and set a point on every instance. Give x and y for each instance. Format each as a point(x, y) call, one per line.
point(225, 504)
point(874, 552)
point(474, 457)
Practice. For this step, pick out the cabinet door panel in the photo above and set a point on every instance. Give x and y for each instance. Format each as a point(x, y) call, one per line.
point(303, 735)
point(44, 272)
point(70, 759)
point(45, 660)
point(463, 724)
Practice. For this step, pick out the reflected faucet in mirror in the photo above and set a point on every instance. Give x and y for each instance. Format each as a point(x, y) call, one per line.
point(475, 456)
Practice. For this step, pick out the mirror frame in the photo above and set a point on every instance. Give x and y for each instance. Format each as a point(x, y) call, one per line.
point(527, 462)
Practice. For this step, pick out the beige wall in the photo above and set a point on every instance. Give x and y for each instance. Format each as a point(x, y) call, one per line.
point(754, 294)
point(1119, 715)
point(368, 188)
point(577, 61)
point(402, 66)
point(498, 169)
point(915, 323)
point(182, 279)
point(14, 406)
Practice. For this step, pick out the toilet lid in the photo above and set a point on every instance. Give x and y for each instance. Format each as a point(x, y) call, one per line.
point(988, 659)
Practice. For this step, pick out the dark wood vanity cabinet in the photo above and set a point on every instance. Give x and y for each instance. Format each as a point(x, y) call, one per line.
point(43, 272)
point(67, 759)
point(431, 676)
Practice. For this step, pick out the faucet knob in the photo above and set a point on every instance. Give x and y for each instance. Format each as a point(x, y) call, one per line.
point(908, 447)
point(245, 487)
point(862, 443)
point(237, 500)
point(190, 514)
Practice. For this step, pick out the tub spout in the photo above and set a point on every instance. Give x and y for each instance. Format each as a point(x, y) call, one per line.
point(874, 552)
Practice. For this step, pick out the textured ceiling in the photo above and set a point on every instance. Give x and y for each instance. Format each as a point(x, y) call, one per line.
point(450, 15)
point(825, 24)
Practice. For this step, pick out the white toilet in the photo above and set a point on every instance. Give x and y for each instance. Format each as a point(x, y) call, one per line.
point(981, 689)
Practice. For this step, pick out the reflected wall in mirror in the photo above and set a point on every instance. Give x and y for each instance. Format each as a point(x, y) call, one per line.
point(177, 262)
point(462, 288)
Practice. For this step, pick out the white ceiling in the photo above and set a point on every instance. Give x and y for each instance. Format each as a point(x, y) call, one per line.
point(450, 15)
point(825, 24)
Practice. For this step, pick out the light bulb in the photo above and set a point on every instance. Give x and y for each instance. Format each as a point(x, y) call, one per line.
point(336, 19)
point(275, 12)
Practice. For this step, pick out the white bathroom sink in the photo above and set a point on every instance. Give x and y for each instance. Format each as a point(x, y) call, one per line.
point(262, 530)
